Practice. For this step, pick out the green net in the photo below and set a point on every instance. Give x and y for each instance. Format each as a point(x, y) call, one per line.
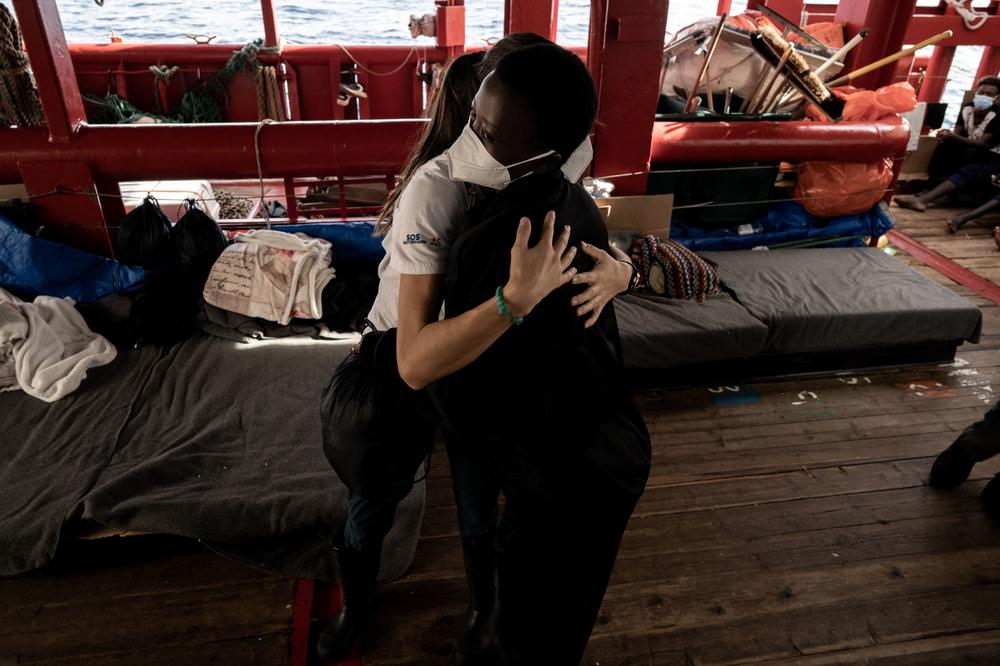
point(202, 104)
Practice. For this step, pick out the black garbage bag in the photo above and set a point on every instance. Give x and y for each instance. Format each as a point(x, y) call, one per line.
point(144, 239)
point(198, 241)
point(347, 299)
point(376, 430)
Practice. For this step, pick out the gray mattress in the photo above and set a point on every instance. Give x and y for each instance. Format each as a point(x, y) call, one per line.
point(210, 439)
point(845, 298)
point(661, 332)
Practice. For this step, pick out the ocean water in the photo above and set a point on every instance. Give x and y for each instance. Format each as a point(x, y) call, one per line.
point(368, 22)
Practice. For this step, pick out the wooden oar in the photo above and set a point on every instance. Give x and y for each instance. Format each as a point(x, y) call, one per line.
point(888, 60)
point(708, 60)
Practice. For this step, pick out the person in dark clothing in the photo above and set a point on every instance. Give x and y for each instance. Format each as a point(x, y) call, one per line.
point(966, 156)
point(979, 442)
point(547, 401)
point(976, 134)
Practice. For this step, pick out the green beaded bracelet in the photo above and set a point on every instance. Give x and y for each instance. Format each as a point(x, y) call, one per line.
point(504, 311)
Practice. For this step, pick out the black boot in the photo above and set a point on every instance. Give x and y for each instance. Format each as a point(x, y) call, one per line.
point(991, 497)
point(952, 466)
point(477, 642)
point(358, 574)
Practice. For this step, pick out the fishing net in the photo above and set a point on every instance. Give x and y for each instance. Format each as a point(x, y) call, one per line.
point(206, 102)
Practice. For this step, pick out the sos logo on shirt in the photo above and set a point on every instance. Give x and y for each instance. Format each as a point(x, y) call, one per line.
point(418, 239)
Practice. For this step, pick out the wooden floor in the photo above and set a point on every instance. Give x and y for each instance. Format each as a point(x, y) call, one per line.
point(783, 521)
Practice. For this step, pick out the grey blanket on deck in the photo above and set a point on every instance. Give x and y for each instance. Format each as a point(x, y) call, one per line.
point(209, 439)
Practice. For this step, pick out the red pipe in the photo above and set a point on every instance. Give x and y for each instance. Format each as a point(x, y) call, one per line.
point(207, 54)
point(267, 12)
point(705, 142)
point(138, 152)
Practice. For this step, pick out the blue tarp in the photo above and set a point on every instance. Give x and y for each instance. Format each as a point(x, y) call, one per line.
point(788, 222)
point(31, 266)
point(352, 241)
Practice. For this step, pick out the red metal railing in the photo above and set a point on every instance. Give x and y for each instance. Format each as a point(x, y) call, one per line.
point(73, 169)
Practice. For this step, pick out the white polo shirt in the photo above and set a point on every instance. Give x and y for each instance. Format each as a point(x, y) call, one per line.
point(424, 221)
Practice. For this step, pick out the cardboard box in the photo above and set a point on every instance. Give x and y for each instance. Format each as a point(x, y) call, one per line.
point(644, 214)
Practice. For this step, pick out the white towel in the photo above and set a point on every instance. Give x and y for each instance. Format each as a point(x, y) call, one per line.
point(273, 275)
point(13, 329)
point(53, 358)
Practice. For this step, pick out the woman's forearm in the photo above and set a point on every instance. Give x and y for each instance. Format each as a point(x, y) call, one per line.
point(443, 347)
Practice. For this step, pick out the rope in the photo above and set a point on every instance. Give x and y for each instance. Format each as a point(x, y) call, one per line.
point(413, 49)
point(160, 74)
point(260, 169)
point(19, 103)
point(205, 103)
point(973, 20)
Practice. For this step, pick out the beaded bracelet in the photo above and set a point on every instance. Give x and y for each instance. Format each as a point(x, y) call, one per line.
point(633, 281)
point(504, 311)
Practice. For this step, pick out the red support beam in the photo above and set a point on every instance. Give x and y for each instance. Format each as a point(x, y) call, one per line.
point(270, 16)
point(624, 56)
point(48, 54)
point(537, 16)
point(675, 142)
point(74, 218)
point(989, 65)
point(936, 77)
point(151, 152)
point(450, 22)
point(888, 22)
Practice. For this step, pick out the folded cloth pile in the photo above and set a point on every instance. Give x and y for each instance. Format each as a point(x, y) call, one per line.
point(273, 275)
point(46, 347)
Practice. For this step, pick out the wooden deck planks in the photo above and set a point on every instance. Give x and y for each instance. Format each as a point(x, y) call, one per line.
point(787, 522)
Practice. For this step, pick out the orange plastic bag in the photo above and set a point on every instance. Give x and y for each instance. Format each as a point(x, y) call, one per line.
point(831, 189)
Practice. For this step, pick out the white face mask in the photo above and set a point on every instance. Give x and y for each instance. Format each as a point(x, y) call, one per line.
point(982, 102)
point(469, 161)
point(578, 161)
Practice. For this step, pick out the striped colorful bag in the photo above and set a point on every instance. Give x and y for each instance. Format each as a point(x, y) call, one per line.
point(670, 269)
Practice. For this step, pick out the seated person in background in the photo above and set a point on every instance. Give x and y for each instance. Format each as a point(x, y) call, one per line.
point(976, 137)
point(983, 175)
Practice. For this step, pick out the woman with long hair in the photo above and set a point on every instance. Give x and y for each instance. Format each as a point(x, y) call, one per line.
point(419, 221)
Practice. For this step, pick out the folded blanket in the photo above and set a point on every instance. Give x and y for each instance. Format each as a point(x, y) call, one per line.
point(272, 275)
point(52, 356)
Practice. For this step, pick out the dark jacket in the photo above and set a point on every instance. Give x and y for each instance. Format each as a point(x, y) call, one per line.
point(548, 399)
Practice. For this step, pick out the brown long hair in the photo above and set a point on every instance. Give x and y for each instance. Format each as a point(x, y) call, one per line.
point(449, 111)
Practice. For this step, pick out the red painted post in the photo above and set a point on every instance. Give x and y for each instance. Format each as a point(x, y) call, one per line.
point(66, 199)
point(537, 16)
point(887, 21)
point(990, 63)
point(725, 7)
point(48, 54)
point(936, 77)
point(450, 20)
point(624, 56)
point(270, 16)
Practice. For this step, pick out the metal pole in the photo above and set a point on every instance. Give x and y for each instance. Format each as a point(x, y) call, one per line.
point(48, 54)
point(267, 10)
